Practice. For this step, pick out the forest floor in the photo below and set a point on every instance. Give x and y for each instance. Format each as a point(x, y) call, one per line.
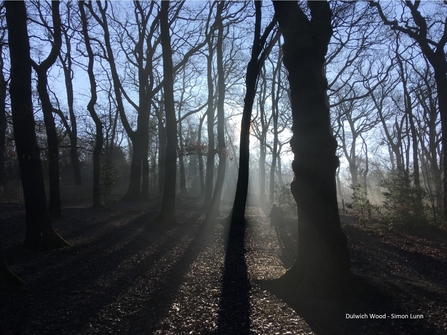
point(123, 274)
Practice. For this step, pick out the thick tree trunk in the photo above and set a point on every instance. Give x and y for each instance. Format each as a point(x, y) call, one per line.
point(167, 213)
point(134, 190)
point(54, 205)
point(322, 267)
point(441, 82)
point(39, 231)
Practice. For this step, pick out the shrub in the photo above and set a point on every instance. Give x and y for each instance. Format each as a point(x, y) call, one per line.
point(404, 203)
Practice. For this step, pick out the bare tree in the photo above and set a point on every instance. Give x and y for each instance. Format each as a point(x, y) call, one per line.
point(433, 46)
point(41, 69)
point(322, 267)
point(40, 233)
point(99, 138)
point(167, 212)
point(258, 55)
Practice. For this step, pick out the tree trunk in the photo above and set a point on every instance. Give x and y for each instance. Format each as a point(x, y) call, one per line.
point(167, 213)
point(39, 231)
point(73, 131)
point(3, 124)
point(240, 199)
point(322, 267)
point(99, 138)
point(222, 152)
point(54, 205)
point(210, 123)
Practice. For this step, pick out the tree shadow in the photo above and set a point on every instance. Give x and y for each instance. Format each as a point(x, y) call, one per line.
point(80, 283)
point(382, 291)
point(234, 307)
point(353, 316)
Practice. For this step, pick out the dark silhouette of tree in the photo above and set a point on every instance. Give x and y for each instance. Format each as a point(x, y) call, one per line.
point(66, 59)
point(40, 233)
point(99, 138)
point(167, 213)
point(253, 68)
point(41, 69)
point(322, 267)
point(221, 149)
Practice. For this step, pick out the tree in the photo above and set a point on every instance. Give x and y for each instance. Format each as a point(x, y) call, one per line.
point(41, 69)
point(99, 138)
point(40, 233)
point(167, 212)
point(322, 267)
point(66, 60)
point(253, 68)
point(423, 31)
point(221, 149)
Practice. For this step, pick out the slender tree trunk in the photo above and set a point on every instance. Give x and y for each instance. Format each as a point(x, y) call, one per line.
point(222, 152)
point(54, 205)
point(3, 124)
point(262, 140)
point(210, 123)
point(39, 231)
point(322, 267)
point(240, 199)
point(201, 172)
point(99, 138)
point(73, 131)
point(275, 116)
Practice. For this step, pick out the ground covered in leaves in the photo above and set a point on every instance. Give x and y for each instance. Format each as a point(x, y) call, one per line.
point(124, 274)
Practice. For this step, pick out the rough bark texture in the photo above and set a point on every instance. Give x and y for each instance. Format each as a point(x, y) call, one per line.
point(39, 231)
point(322, 267)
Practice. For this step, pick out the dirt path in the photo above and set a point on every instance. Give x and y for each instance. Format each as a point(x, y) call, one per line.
point(125, 275)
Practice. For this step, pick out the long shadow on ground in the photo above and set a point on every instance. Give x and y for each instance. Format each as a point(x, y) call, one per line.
point(234, 309)
point(131, 271)
point(382, 294)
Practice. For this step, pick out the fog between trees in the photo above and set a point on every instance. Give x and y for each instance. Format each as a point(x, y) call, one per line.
point(108, 113)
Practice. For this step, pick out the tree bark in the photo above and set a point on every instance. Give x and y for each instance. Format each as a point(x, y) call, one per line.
point(99, 138)
point(209, 181)
point(322, 267)
point(167, 213)
point(41, 69)
point(240, 199)
point(67, 66)
point(39, 231)
point(222, 152)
